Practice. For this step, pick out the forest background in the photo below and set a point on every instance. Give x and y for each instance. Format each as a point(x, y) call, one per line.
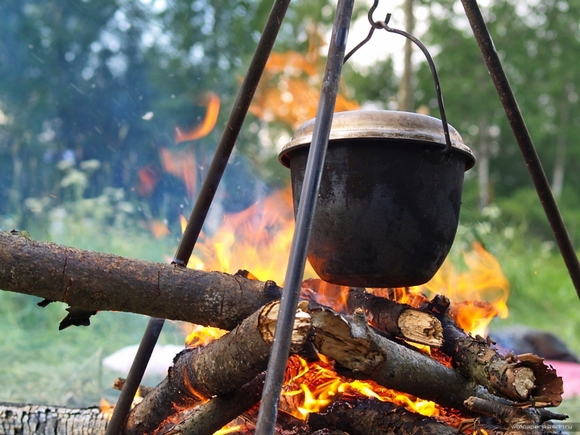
point(110, 111)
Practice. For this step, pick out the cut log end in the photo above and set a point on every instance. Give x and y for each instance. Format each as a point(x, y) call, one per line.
point(524, 381)
point(300, 330)
point(421, 328)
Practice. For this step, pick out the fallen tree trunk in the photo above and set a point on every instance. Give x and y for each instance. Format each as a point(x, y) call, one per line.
point(90, 281)
point(24, 419)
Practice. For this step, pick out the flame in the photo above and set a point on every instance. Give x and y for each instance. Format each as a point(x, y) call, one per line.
point(478, 294)
point(257, 239)
point(404, 295)
point(158, 228)
point(183, 163)
point(148, 178)
point(313, 386)
point(332, 295)
point(182, 223)
point(107, 409)
point(227, 430)
point(202, 130)
point(202, 335)
point(290, 87)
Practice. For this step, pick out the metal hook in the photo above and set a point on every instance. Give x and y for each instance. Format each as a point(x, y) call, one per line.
point(374, 26)
point(384, 25)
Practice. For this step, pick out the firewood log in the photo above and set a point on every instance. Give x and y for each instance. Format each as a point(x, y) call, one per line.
point(398, 320)
point(24, 419)
point(370, 416)
point(220, 368)
point(214, 414)
point(523, 378)
point(515, 419)
point(354, 346)
point(91, 281)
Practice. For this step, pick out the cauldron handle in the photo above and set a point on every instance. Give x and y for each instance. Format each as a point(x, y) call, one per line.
point(418, 43)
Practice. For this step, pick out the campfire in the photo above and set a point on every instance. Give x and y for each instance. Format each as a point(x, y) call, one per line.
point(363, 360)
point(416, 356)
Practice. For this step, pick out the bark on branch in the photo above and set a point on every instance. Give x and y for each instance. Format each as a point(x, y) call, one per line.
point(90, 281)
point(366, 416)
point(520, 378)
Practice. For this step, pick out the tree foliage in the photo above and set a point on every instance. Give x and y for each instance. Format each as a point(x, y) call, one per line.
point(537, 44)
point(109, 82)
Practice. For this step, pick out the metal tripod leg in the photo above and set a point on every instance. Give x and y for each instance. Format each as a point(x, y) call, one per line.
point(313, 172)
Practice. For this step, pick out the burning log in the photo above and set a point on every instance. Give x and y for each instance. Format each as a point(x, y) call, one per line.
point(91, 281)
point(26, 419)
point(226, 364)
point(517, 378)
point(214, 414)
point(519, 420)
point(386, 315)
point(365, 416)
point(219, 368)
point(397, 320)
point(364, 354)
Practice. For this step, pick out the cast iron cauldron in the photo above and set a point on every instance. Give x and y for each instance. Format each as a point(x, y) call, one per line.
point(388, 204)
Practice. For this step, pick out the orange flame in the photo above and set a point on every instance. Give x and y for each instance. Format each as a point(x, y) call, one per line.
point(202, 335)
point(405, 295)
point(227, 430)
point(315, 385)
point(290, 87)
point(107, 409)
point(478, 294)
point(182, 223)
point(158, 228)
point(148, 178)
point(211, 116)
point(257, 239)
point(183, 164)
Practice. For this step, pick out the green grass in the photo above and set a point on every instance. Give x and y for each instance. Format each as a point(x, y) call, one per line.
point(40, 364)
point(43, 365)
point(543, 297)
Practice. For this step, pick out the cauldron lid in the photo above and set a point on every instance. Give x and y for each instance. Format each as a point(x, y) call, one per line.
point(387, 124)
